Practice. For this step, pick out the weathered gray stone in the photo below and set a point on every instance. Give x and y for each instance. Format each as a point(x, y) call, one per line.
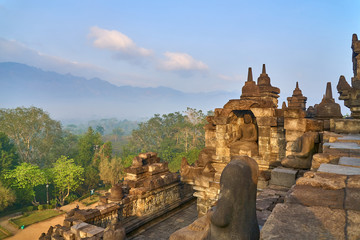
point(283, 177)
point(350, 161)
point(330, 181)
point(294, 221)
point(310, 196)
point(338, 169)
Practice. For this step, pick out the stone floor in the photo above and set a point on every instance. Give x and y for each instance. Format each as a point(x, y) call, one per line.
point(163, 229)
point(266, 201)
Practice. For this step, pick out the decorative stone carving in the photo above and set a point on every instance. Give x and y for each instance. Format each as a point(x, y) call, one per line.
point(328, 109)
point(351, 94)
point(234, 216)
point(267, 92)
point(297, 100)
point(305, 150)
point(115, 231)
point(245, 140)
point(250, 90)
point(116, 193)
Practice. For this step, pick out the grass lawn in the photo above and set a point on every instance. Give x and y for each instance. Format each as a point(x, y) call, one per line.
point(35, 216)
point(4, 233)
point(88, 201)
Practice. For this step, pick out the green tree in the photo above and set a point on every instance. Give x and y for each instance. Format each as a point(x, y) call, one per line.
point(100, 129)
point(88, 144)
point(111, 171)
point(7, 197)
point(26, 176)
point(67, 177)
point(32, 130)
point(118, 133)
point(8, 156)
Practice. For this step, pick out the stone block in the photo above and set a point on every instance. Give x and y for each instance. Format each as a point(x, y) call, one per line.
point(329, 181)
point(338, 169)
point(68, 235)
point(266, 121)
point(350, 161)
point(353, 181)
point(220, 120)
point(294, 113)
point(283, 177)
point(313, 196)
point(263, 112)
point(264, 131)
point(91, 231)
point(346, 125)
point(320, 158)
point(293, 135)
point(296, 124)
point(294, 221)
point(353, 221)
point(352, 200)
point(343, 149)
point(314, 125)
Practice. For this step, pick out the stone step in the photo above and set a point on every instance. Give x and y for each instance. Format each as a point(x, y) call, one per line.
point(345, 149)
point(355, 138)
point(339, 169)
point(283, 176)
point(350, 161)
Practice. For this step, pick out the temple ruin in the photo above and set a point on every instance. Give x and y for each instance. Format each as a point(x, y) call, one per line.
point(298, 168)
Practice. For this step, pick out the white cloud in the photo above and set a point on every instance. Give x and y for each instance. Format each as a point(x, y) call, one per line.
point(117, 42)
point(181, 62)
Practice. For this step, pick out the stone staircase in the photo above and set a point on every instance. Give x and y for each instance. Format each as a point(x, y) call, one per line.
point(325, 202)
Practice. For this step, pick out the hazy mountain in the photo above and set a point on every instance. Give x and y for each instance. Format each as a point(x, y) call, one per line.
point(72, 97)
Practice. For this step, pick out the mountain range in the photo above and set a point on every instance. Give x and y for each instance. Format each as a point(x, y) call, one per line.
point(68, 97)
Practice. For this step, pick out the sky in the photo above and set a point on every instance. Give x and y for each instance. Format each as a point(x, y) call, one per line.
point(192, 46)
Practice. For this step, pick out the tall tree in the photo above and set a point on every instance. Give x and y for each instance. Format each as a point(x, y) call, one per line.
point(88, 144)
point(26, 176)
point(111, 171)
point(32, 130)
point(7, 197)
point(8, 156)
point(67, 177)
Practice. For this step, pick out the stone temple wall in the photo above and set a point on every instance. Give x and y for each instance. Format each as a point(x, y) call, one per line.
point(148, 191)
point(254, 126)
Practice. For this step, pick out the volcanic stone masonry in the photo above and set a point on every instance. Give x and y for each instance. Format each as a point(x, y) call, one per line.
point(254, 126)
point(148, 191)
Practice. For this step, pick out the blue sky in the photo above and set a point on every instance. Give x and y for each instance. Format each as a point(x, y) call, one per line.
point(192, 46)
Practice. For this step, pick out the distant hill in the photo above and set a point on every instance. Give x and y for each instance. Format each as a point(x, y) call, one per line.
point(70, 97)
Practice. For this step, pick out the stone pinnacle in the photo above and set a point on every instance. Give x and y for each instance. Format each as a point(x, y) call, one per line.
point(250, 76)
point(354, 37)
point(328, 94)
point(263, 69)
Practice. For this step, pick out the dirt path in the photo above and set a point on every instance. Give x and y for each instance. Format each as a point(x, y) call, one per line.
point(34, 231)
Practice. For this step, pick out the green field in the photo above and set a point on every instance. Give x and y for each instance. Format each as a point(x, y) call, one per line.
point(87, 201)
point(35, 216)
